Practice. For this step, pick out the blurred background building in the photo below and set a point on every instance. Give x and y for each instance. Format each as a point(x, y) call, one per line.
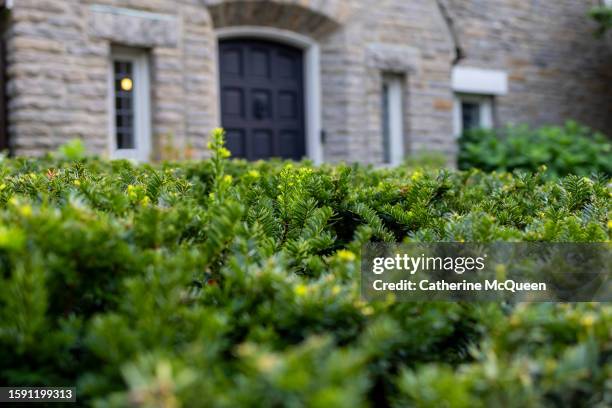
point(357, 80)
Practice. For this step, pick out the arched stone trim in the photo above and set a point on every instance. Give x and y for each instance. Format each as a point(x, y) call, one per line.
point(312, 81)
point(314, 18)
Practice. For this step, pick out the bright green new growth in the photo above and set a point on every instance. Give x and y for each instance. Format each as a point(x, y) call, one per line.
point(73, 150)
point(228, 284)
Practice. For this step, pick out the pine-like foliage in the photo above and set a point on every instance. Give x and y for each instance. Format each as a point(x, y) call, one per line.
point(224, 283)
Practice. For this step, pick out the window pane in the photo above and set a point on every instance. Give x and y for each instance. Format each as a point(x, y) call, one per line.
point(470, 112)
point(124, 104)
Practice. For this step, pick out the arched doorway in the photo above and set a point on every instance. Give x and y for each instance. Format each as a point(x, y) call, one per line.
point(262, 98)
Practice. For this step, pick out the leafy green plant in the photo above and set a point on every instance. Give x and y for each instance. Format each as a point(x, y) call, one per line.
point(603, 16)
point(72, 150)
point(224, 283)
point(428, 160)
point(571, 149)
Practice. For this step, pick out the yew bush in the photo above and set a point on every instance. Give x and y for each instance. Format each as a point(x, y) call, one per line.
point(224, 283)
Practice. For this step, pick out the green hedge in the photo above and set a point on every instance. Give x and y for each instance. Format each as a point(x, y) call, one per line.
point(570, 149)
point(227, 284)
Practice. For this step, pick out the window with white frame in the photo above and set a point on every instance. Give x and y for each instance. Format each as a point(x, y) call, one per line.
point(130, 107)
point(392, 119)
point(475, 91)
point(472, 112)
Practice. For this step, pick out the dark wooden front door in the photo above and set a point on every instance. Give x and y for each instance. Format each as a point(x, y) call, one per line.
point(262, 99)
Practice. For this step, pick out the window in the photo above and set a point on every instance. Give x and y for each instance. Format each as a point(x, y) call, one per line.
point(472, 112)
point(392, 119)
point(124, 104)
point(130, 130)
point(475, 89)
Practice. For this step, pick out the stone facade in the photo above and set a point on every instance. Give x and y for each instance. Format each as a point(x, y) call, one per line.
point(556, 69)
point(59, 53)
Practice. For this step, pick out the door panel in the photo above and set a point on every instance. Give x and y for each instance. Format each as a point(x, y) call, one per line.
point(260, 62)
point(231, 60)
point(262, 105)
point(287, 105)
point(233, 102)
point(291, 143)
point(263, 144)
point(235, 141)
point(262, 99)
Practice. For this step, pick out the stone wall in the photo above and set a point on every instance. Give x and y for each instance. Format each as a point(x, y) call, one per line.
point(361, 40)
point(59, 53)
point(557, 69)
point(57, 79)
point(59, 63)
point(410, 39)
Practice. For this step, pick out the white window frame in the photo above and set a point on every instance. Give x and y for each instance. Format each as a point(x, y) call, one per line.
point(395, 103)
point(485, 103)
point(477, 85)
point(142, 105)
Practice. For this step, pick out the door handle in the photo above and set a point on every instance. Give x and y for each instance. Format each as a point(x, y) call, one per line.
point(259, 108)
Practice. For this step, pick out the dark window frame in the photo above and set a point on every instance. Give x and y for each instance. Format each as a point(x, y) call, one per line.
point(125, 112)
